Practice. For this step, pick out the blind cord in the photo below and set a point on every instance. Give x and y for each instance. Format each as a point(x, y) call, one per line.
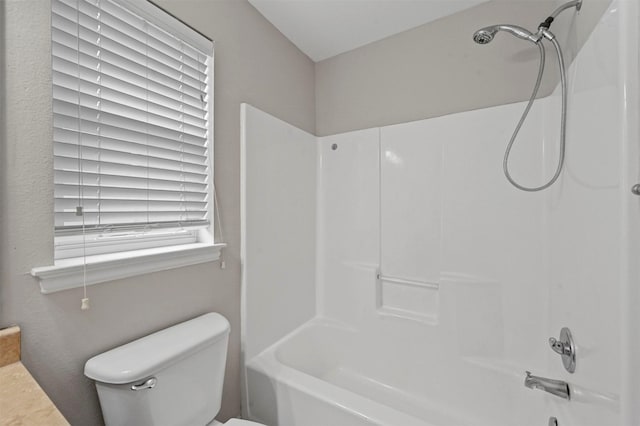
point(84, 305)
point(85, 300)
point(216, 208)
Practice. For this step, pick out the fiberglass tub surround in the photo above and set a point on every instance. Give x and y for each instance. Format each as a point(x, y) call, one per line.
point(435, 284)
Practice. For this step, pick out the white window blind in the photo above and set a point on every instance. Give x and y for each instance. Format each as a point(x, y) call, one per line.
point(132, 130)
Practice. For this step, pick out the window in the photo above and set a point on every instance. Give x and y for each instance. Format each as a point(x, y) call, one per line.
point(132, 105)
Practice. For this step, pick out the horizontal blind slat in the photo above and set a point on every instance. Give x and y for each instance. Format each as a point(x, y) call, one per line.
point(106, 230)
point(91, 178)
point(119, 205)
point(84, 165)
point(98, 191)
point(77, 152)
point(126, 218)
point(90, 140)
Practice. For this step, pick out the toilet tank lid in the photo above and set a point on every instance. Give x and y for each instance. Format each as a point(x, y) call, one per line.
point(146, 356)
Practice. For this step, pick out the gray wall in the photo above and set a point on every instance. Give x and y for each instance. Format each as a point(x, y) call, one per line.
point(254, 64)
point(437, 69)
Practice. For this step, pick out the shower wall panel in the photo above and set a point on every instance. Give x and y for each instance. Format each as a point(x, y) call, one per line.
point(411, 194)
point(492, 235)
point(446, 224)
point(410, 226)
point(349, 239)
point(278, 240)
point(584, 233)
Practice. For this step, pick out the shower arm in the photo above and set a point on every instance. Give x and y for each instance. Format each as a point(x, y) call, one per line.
point(547, 22)
point(575, 3)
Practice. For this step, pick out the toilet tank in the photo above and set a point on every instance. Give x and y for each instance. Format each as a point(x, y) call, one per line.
point(172, 377)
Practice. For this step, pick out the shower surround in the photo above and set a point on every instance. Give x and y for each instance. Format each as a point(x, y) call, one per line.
point(393, 276)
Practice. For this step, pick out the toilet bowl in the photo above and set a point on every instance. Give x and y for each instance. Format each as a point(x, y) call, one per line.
point(170, 378)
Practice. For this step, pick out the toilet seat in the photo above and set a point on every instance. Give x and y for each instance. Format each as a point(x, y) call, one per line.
point(241, 422)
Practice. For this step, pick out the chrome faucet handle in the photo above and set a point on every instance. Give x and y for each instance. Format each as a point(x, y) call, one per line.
point(565, 347)
point(559, 347)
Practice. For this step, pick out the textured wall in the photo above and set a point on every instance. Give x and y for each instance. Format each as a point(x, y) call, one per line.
point(437, 69)
point(254, 63)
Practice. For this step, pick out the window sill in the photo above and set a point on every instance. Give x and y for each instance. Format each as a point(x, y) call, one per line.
point(68, 273)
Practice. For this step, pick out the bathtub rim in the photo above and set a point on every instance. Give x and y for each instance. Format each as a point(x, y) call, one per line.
point(268, 363)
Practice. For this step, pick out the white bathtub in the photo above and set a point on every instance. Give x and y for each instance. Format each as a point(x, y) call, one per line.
point(326, 374)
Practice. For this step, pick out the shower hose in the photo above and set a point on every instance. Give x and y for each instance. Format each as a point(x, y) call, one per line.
point(505, 163)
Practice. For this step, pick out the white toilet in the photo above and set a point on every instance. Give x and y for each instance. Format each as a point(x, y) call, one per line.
point(169, 378)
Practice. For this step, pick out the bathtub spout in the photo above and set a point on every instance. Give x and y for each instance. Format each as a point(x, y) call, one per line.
point(555, 387)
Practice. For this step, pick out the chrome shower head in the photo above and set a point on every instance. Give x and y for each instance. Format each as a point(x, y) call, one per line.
point(486, 34)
